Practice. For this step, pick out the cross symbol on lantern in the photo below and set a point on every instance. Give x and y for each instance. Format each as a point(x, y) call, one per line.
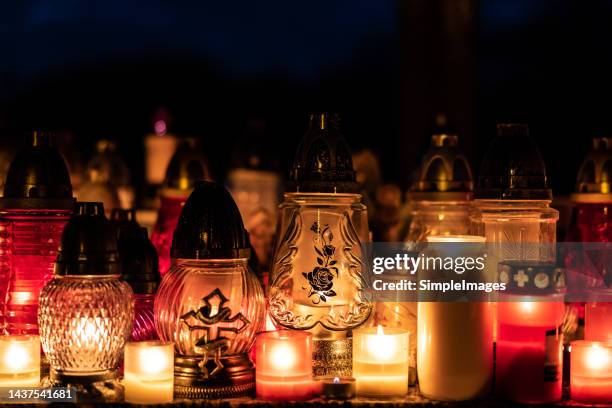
point(214, 319)
point(521, 278)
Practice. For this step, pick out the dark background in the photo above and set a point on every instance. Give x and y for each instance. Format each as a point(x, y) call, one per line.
point(104, 68)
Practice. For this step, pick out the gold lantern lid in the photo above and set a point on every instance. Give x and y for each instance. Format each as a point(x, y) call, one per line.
point(445, 174)
point(595, 175)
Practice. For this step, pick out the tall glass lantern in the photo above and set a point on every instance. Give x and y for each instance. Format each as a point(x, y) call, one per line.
point(139, 268)
point(512, 211)
point(86, 311)
point(210, 304)
point(317, 281)
point(185, 169)
point(36, 205)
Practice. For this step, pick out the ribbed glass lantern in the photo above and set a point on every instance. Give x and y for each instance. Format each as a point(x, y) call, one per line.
point(185, 169)
point(139, 268)
point(36, 205)
point(86, 311)
point(210, 303)
point(317, 281)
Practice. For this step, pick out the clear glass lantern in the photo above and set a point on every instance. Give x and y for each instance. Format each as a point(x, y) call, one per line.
point(139, 268)
point(512, 211)
point(186, 167)
point(210, 303)
point(36, 205)
point(317, 281)
point(86, 311)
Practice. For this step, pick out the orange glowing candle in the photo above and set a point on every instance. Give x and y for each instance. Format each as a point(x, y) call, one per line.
point(591, 372)
point(284, 365)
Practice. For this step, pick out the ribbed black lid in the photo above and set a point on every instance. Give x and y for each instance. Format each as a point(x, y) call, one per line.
point(89, 243)
point(513, 168)
point(38, 177)
point(323, 161)
point(531, 277)
point(139, 261)
point(210, 226)
point(444, 173)
point(187, 166)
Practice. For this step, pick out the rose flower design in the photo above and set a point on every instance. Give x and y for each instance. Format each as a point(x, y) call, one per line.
point(321, 278)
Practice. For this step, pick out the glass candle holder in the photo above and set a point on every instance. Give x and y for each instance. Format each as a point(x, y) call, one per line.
point(284, 365)
point(209, 304)
point(597, 316)
point(149, 372)
point(36, 205)
point(529, 353)
point(19, 361)
point(591, 372)
point(380, 361)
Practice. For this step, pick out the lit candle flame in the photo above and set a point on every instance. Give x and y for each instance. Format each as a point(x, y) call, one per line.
point(383, 347)
point(527, 307)
point(16, 357)
point(597, 357)
point(283, 356)
point(336, 380)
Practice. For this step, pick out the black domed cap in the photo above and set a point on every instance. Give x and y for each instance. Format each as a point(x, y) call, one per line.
point(323, 161)
point(139, 261)
point(89, 243)
point(38, 177)
point(210, 226)
point(187, 166)
point(513, 168)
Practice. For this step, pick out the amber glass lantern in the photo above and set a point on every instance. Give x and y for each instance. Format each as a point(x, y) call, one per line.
point(139, 268)
point(86, 311)
point(36, 205)
point(185, 169)
point(210, 304)
point(317, 281)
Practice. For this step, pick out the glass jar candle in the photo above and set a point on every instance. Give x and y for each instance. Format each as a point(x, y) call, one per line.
point(139, 268)
point(591, 372)
point(19, 361)
point(209, 304)
point(455, 339)
point(36, 205)
point(185, 169)
point(317, 281)
point(86, 311)
point(149, 372)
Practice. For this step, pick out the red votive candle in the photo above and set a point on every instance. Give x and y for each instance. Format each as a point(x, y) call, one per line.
point(591, 372)
point(284, 365)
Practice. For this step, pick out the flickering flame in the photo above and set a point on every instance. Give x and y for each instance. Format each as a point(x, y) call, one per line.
point(336, 380)
point(597, 357)
point(382, 346)
point(527, 307)
point(153, 360)
point(283, 356)
point(16, 357)
point(160, 127)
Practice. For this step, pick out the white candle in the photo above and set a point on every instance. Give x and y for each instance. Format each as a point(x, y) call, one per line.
point(19, 361)
point(380, 361)
point(149, 372)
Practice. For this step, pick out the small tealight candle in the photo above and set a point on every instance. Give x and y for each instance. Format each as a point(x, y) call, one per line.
point(380, 361)
point(19, 361)
point(149, 372)
point(591, 372)
point(284, 365)
point(338, 387)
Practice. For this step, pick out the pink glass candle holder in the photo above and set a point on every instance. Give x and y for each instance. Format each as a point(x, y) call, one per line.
point(591, 372)
point(597, 313)
point(284, 365)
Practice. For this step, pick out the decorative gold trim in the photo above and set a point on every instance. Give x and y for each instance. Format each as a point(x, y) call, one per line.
point(332, 358)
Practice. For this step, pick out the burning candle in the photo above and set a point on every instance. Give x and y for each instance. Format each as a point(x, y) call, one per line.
point(380, 361)
point(591, 372)
point(284, 365)
point(338, 387)
point(19, 361)
point(149, 372)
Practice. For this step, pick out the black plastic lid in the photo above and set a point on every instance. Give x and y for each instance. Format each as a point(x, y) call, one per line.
point(444, 173)
point(323, 161)
point(89, 243)
point(139, 261)
point(513, 168)
point(187, 166)
point(38, 177)
point(210, 226)
point(531, 277)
